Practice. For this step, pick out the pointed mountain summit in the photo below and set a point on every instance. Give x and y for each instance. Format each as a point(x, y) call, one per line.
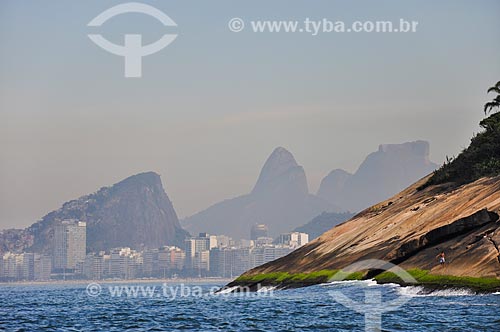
point(280, 199)
point(135, 212)
point(281, 174)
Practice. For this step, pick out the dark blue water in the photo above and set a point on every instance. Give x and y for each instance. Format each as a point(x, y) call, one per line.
point(70, 308)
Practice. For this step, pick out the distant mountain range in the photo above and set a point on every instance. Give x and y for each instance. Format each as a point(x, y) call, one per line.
point(280, 199)
point(135, 212)
point(383, 173)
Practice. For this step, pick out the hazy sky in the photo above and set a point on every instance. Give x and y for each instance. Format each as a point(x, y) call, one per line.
point(213, 105)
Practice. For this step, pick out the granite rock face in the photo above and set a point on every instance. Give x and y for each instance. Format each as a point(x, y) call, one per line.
point(410, 229)
point(135, 212)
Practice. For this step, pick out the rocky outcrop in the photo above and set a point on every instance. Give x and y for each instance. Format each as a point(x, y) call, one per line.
point(135, 212)
point(443, 233)
point(494, 238)
point(280, 199)
point(383, 173)
point(410, 229)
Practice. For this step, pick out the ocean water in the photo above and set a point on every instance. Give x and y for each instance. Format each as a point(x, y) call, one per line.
point(195, 307)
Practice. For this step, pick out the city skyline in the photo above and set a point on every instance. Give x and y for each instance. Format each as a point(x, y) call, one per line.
point(204, 256)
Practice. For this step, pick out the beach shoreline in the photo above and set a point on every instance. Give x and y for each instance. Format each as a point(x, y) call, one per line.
point(118, 281)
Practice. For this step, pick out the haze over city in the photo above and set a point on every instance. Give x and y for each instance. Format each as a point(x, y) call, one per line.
point(212, 106)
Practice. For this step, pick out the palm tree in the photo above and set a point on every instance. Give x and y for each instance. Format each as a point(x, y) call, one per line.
point(495, 103)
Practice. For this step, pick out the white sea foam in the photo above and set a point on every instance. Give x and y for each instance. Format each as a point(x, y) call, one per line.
point(226, 290)
point(421, 291)
point(267, 289)
point(390, 284)
point(496, 293)
point(369, 282)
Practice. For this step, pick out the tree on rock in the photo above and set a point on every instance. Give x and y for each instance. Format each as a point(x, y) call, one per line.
point(495, 103)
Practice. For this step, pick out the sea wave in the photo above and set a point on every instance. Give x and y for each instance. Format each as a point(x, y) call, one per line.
point(389, 284)
point(226, 290)
point(267, 289)
point(369, 282)
point(423, 292)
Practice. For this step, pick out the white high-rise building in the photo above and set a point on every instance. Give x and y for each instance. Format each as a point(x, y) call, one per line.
point(12, 266)
point(201, 261)
point(42, 267)
point(294, 239)
point(23, 266)
point(224, 241)
point(28, 266)
point(196, 245)
point(124, 263)
point(118, 262)
point(70, 238)
point(93, 266)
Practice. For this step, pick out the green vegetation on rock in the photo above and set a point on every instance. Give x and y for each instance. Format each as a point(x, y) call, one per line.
point(285, 278)
point(425, 278)
point(481, 158)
